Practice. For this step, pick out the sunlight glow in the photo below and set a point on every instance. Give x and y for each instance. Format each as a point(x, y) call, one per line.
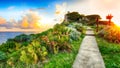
point(117, 23)
point(45, 21)
point(38, 24)
point(116, 20)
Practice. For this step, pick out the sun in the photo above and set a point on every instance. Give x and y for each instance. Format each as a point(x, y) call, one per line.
point(117, 23)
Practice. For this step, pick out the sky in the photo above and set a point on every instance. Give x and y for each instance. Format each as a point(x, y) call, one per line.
point(17, 15)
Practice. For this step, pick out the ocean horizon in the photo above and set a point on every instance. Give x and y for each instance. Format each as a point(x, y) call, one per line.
point(4, 36)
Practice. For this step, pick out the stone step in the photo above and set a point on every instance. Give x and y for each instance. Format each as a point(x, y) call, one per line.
point(90, 34)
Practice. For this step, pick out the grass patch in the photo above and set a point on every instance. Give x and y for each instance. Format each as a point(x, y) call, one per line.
point(63, 60)
point(110, 53)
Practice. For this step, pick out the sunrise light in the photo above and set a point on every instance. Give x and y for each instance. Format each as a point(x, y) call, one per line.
point(38, 24)
point(117, 22)
point(46, 20)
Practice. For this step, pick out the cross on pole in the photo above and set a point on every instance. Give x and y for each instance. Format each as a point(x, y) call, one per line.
point(109, 17)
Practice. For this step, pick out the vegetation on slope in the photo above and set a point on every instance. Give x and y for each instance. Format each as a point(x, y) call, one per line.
point(64, 59)
point(111, 34)
point(110, 53)
point(43, 49)
point(109, 45)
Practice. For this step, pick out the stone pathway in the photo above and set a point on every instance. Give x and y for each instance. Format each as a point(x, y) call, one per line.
point(89, 55)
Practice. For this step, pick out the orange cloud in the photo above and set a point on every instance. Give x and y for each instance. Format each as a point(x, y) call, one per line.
point(24, 23)
point(2, 20)
point(31, 20)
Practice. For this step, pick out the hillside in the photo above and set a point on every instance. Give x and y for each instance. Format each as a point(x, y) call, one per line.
point(43, 49)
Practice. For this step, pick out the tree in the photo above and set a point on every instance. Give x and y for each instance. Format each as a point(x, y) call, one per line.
point(92, 19)
point(73, 16)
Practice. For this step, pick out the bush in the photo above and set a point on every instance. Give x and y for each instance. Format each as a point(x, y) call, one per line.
point(22, 38)
point(74, 32)
point(74, 35)
point(111, 34)
point(2, 56)
point(33, 53)
point(6, 47)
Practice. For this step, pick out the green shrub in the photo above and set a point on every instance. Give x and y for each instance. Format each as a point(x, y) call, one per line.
point(22, 38)
point(3, 56)
point(33, 53)
point(6, 47)
point(74, 35)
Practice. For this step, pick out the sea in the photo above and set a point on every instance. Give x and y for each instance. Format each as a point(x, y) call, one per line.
point(6, 35)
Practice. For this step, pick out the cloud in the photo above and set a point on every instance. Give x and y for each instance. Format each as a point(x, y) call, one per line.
point(36, 9)
point(60, 9)
point(2, 27)
point(24, 23)
point(7, 25)
point(29, 20)
point(60, 12)
point(81, 6)
point(10, 24)
point(95, 7)
point(32, 20)
point(2, 20)
point(11, 7)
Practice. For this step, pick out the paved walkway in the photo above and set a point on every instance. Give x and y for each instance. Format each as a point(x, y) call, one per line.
point(89, 55)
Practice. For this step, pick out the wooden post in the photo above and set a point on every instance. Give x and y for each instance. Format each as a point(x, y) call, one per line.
point(97, 24)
